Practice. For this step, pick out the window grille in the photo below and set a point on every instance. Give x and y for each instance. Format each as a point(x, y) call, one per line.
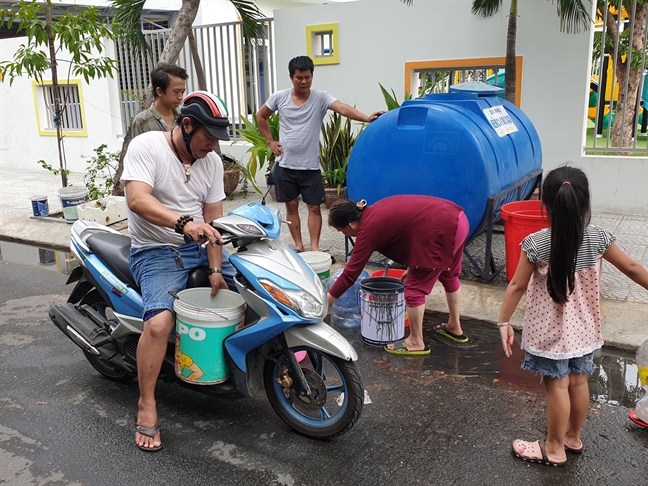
point(71, 118)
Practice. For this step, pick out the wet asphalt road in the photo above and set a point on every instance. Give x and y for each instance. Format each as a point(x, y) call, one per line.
point(440, 420)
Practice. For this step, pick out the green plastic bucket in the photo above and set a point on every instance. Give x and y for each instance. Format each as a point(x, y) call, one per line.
point(320, 262)
point(202, 324)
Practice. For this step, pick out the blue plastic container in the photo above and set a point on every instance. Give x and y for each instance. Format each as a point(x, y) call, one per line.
point(459, 146)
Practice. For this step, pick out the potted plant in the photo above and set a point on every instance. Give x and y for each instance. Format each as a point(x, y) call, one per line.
point(101, 206)
point(335, 147)
point(259, 151)
point(232, 174)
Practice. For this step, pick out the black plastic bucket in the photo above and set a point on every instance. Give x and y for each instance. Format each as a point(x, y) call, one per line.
point(382, 310)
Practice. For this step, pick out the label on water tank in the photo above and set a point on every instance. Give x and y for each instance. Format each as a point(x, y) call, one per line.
point(500, 120)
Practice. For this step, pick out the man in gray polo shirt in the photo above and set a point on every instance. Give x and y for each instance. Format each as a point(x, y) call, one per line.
point(301, 112)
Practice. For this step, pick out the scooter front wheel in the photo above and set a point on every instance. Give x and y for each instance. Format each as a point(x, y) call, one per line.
point(336, 394)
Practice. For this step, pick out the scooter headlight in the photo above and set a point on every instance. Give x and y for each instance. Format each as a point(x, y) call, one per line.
point(306, 304)
point(300, 301)
point(250, 229)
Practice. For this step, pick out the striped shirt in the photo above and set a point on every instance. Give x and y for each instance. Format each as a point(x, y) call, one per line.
point(572, 329)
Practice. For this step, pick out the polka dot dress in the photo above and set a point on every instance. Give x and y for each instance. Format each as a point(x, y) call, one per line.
point(573, 329)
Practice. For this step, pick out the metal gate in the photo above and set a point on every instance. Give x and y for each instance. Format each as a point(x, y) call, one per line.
point(242, 74)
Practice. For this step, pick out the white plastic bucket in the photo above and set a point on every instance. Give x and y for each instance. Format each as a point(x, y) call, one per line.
point(320, 262)
point(382, 310)
point(202, 324)
point(71, 197)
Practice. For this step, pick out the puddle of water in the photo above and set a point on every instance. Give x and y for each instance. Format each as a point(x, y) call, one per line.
point(57, 261)
point(615, 380)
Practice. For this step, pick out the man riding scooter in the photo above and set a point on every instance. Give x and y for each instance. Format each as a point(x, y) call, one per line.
point(174, 187)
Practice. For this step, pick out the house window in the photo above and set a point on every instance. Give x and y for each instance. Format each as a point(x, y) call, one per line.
point(322, 43)
point(72, 118)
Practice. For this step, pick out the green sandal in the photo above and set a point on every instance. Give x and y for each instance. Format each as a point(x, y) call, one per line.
point(401, 350)
point(441, 329)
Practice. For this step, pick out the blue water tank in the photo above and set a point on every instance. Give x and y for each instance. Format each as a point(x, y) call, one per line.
point(465, 146)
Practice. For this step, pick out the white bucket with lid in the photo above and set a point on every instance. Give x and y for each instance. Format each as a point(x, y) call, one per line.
point(320, 262)
point(202, 325)
point(71, 197)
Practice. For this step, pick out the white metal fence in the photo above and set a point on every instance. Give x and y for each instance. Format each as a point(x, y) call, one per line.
point(440, 80)
point(243, 75)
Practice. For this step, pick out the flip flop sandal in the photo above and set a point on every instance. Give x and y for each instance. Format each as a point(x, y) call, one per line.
point(441, 329)
point(574, 450)
point(520, 453)
point(149, 432)
point(401, 350)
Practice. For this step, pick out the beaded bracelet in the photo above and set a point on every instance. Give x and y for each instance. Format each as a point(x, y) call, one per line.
point(181, 223)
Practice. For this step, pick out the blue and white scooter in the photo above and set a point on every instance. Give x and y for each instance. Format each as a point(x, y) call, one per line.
point(320, 397)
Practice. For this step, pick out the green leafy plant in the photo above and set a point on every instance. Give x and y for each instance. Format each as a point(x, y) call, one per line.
point(336, 178)
point(336, 142)
point(99, 172)
point(260, 152)
point(53, 170)
point(390, 98)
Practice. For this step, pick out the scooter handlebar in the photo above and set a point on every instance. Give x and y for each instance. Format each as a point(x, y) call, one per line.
point(226, 240)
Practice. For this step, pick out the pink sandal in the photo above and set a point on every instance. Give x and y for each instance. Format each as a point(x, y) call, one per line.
point(528, 452)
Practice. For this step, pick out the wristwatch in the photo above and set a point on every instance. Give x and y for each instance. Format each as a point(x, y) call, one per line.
point(215, 270)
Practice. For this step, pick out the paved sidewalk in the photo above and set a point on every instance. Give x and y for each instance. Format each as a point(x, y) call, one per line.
point(623, 305)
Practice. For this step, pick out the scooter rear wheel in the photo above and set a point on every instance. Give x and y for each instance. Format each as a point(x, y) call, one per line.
point(337, 394)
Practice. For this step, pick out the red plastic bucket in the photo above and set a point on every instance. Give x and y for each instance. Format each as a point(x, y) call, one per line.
point(396, 273)
point(521, 219)
point(392, 272)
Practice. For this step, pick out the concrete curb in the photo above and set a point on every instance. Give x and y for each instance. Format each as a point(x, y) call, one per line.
point(625, 324)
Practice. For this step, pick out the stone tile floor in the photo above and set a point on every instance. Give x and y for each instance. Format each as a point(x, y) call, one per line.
point(16, 186)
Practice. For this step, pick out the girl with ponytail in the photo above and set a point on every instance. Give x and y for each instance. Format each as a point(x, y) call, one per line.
point(559, 269)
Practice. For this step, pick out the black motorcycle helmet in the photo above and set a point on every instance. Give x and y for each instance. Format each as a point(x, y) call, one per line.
point(205, 110)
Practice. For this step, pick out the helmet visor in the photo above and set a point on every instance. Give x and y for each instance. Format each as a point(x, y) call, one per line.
point(219, 129)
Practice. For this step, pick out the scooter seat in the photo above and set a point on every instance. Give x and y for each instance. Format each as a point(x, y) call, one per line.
point(114, 251)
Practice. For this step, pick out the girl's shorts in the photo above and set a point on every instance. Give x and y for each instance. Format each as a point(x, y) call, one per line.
point(558, 368)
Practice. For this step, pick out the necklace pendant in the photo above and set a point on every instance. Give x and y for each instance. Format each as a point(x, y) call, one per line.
point(187, 174)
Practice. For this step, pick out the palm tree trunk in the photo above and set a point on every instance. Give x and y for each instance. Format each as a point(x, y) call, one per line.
point(510, 65)
point(624, 126)
point(200, 72)
point(176, 40)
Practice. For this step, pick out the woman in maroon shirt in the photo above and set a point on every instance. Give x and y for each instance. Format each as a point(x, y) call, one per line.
point(427, 235)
